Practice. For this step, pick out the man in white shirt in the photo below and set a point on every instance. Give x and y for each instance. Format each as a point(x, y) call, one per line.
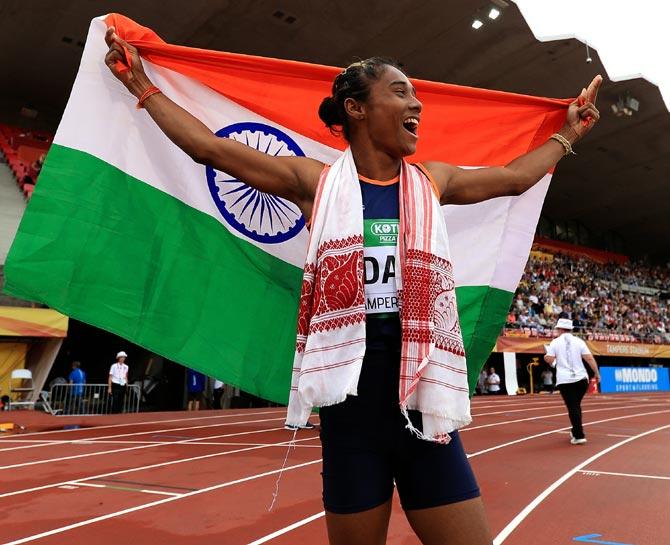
point(493, 381)
point(566, 353)
point(117, 381)
point(547, 381)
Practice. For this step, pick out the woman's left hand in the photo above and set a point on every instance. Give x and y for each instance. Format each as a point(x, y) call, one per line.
point(582, 113)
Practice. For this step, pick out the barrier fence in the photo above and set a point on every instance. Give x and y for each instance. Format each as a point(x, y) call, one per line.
point(92, 399)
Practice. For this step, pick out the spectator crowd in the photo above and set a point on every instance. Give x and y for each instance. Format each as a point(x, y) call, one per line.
point(618, 302)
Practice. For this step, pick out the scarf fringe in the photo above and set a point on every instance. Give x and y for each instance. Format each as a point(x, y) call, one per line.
point(442, 437)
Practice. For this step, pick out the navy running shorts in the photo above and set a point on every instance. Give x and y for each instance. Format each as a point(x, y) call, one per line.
point(367, 448)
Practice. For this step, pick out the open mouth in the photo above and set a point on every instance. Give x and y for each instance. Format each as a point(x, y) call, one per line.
point(411, 125)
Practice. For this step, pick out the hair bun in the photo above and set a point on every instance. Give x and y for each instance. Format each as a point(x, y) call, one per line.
point(329, 112)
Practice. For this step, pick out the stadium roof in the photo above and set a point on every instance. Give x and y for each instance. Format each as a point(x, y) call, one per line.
point(619, 181)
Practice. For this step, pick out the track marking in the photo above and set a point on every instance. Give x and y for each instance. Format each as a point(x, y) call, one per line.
point(70, 441)
point(494, 424)
point(514, 523)
point(527, 438)
point(30, 538)
point(307, 520)
point(151, 466)
point(545, 406)
point(193, 440)
point(144, 446)
point(287, 529)
point(157, 502)
point(155, 485)
point(145, 423)
point(199, 442)
point(124, 488)
point(595, 473)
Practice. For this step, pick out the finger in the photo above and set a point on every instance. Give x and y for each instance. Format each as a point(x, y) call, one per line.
point(122, 43)
point(581, 99)
point(116, 47)
point(590, 114)
point(112, 57)
point(594, 86)
point(108, 35)
point(587, 106)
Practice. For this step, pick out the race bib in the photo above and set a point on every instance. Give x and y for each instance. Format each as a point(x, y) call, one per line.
point(380, 240)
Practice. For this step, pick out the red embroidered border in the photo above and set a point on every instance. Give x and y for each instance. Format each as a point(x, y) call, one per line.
point(421, 306)
point(335, 283)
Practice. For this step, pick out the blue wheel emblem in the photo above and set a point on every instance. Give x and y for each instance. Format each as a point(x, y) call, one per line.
point(260, 216)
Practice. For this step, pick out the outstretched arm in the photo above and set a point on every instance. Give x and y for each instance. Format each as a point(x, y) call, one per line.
point(293, 178)
point(467, 186)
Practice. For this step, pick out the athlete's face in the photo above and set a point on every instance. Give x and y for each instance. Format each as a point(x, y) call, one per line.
point(393, 113)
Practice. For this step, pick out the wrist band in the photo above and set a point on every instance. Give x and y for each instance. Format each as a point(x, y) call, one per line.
point(564, 142)
point(150, 91)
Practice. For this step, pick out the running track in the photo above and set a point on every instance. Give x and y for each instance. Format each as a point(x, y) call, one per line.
point(180, 479)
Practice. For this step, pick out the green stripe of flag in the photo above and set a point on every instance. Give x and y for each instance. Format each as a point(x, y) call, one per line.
point(91, 242)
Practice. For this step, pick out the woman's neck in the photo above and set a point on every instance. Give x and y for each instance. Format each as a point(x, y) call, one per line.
point(375, 164)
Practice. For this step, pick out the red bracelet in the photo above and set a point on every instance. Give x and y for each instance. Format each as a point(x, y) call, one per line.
point(150, 91)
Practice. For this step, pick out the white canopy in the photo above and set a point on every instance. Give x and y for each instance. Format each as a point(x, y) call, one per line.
point(632, 38)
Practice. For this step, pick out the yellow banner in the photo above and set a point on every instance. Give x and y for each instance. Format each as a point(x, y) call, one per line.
point(32, 322)
point(535, 345)
point(12, 356)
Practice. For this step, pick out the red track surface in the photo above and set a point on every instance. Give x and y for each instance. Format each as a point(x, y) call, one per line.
point(177, 478)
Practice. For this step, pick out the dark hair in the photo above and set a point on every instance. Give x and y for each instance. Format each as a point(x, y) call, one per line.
point(352, 82)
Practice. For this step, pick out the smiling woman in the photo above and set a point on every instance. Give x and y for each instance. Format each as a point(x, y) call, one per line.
point(379, 338)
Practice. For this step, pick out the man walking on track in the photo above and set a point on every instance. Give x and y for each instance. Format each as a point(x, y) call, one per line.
point(566, 353)
point(117, 382)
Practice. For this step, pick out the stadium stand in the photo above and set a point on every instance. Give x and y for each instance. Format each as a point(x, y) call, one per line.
point(621, 301)
point(24, 153)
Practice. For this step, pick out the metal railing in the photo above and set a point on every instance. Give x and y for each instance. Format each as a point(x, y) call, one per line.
point(92, 399)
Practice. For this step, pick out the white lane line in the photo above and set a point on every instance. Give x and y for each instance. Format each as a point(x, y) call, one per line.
point(194, 441)
point(494, 424)
point(146, 423)
point(558, 430)
point(68, 441)
point(596, 472)
point(545, 399)
point(144, 446)
point(514, 523)
point(159, 492)
point(287, 529)
point(307, 520)
point(151, 466)
point(144, 506)
point(128, 489)
point(545, 406)
point(154, 503)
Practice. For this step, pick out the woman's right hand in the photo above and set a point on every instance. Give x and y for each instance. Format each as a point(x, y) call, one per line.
point(132, 76)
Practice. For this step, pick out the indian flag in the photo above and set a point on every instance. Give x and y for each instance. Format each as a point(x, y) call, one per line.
point(126, 232)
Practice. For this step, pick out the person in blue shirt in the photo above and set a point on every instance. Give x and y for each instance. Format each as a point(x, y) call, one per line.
point(77, 378)
point(196, 387)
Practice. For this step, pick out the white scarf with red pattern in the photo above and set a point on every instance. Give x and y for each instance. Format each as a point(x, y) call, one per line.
point(330, 343)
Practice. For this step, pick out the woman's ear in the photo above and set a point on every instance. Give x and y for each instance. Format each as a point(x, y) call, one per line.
point(354, 109)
